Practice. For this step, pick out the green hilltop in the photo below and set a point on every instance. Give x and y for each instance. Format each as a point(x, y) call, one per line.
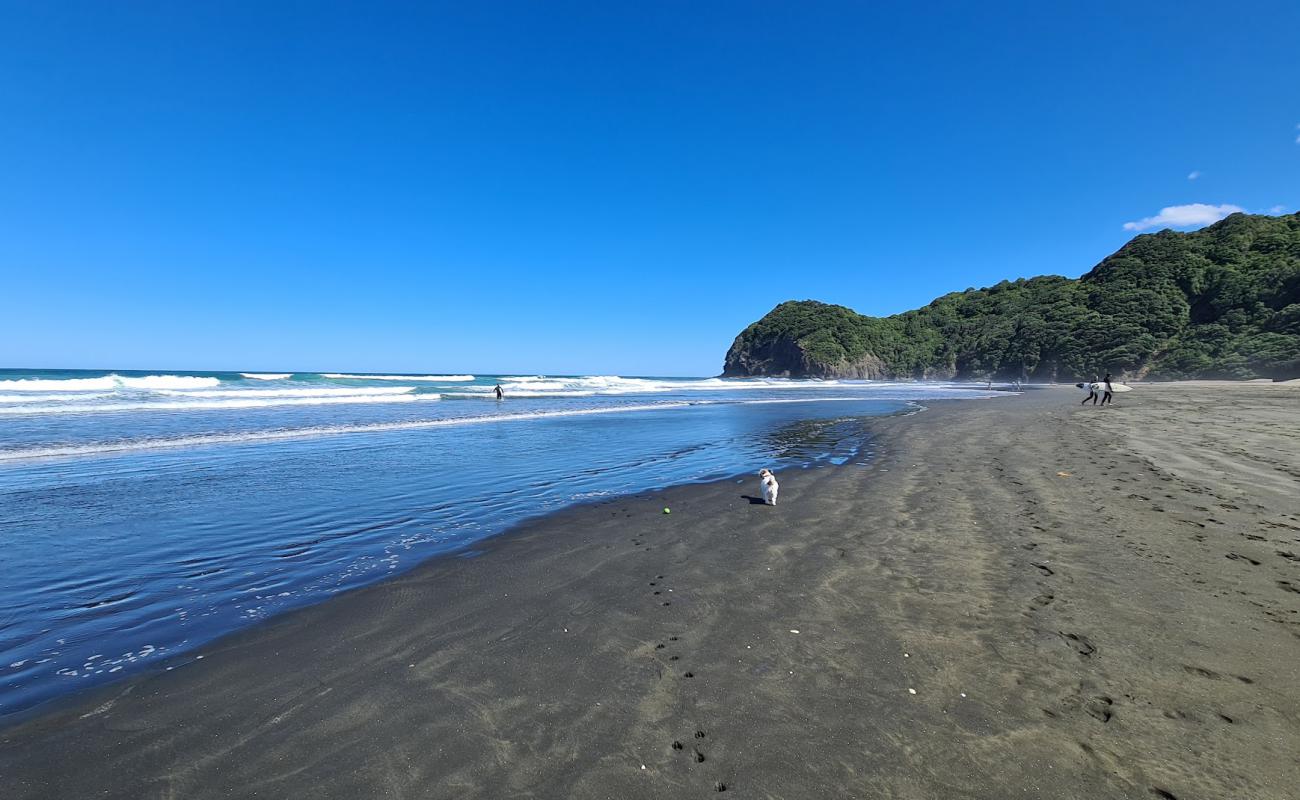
point(1221, 302)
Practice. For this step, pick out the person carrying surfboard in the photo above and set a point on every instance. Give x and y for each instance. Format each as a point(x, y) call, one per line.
point(1108, 397)
point(1092, 392)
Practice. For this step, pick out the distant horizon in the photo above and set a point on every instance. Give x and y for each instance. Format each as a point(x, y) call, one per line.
point(333, 370)
point(611, 189)
point(557, 373)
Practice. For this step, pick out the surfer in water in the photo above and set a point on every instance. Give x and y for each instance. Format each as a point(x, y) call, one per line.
point(1107, 397)
point(1092, 392)
point(501, 395)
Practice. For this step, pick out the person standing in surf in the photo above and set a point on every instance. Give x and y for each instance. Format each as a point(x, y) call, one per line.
point(501, 395)
point(1107, 397)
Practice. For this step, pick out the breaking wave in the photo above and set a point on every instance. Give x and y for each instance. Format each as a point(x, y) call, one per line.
point(211, 404)
point(613, 385)
point(108, 382)
point(435, 378)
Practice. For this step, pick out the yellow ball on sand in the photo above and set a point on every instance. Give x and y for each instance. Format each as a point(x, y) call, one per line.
point(667, 511)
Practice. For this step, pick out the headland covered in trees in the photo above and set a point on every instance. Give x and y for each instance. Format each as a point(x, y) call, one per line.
point(1220, 302)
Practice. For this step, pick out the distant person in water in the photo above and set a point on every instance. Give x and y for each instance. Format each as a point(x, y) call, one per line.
point(500, 394)
point(1108, 397)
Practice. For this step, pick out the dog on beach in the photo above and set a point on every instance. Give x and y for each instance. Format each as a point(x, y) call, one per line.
point(770, 487)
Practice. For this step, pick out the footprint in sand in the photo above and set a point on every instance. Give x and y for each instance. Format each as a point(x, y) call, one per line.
point(1203, 672)
point(1080, 644)
point(1038, 604)
point(1099, 708)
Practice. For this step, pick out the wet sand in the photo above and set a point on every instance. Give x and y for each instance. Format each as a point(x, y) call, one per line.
point(1017, 598)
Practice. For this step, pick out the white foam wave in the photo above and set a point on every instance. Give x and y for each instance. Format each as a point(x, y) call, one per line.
point(531, 386)
point(59, 385)
point(51, 398)
point(267, 376)
point(205, 404)
point(433, 378)
point(489, 395)
point(613, 385)
point(168, 382)
point(107, 382)
point(313, 391)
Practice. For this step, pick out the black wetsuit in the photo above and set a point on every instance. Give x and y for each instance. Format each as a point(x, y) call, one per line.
point(1107, 397)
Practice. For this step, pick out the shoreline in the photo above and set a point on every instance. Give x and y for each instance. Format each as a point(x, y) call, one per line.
point(474, 549)
point(285, 526)
point(1120, 657)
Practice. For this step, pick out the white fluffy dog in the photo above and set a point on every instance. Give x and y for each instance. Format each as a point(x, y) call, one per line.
point(770, 486)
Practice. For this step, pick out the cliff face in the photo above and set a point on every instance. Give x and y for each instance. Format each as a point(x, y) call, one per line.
point(806, 339)
point(781, 355)
point(1222, 302)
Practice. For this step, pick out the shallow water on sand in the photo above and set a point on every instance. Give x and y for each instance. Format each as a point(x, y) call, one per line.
point(144, 514)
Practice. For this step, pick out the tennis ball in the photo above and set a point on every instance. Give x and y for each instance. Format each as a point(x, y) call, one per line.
point(667, 511)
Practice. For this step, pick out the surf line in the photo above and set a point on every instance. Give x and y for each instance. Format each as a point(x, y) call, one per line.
point(251, 437)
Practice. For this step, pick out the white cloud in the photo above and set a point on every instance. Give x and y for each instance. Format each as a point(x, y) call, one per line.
point(1277, 210)
point(1188, 216)
point(1193, 175)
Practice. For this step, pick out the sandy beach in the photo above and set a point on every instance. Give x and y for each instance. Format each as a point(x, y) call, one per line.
point(1020, 597)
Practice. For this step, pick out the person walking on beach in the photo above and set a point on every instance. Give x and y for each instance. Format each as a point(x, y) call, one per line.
point(1092, 392)
point(501, 395)
point(1108, 397)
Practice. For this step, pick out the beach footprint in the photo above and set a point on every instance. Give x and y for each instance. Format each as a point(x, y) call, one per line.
point(1080, 644)
point(1041, 601)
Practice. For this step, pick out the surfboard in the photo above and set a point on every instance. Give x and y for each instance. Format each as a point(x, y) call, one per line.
point(1099, 387)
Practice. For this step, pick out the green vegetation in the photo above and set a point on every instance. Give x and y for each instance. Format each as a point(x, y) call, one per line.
point(1222, 302)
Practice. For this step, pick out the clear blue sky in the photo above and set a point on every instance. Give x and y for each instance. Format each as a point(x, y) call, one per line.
point(591, 187)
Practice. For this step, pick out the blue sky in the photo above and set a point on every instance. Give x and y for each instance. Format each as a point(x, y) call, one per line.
point(592, 187)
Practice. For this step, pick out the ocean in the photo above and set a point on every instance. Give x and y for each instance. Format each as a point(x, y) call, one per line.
point(145, 513)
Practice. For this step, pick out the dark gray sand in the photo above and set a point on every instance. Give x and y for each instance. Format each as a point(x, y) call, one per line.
point(1095, 603)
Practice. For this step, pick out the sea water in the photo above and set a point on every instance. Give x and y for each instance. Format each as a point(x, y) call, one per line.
point(145, 513)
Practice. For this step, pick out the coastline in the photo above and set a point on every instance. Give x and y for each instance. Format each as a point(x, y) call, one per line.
point(1119, 656)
